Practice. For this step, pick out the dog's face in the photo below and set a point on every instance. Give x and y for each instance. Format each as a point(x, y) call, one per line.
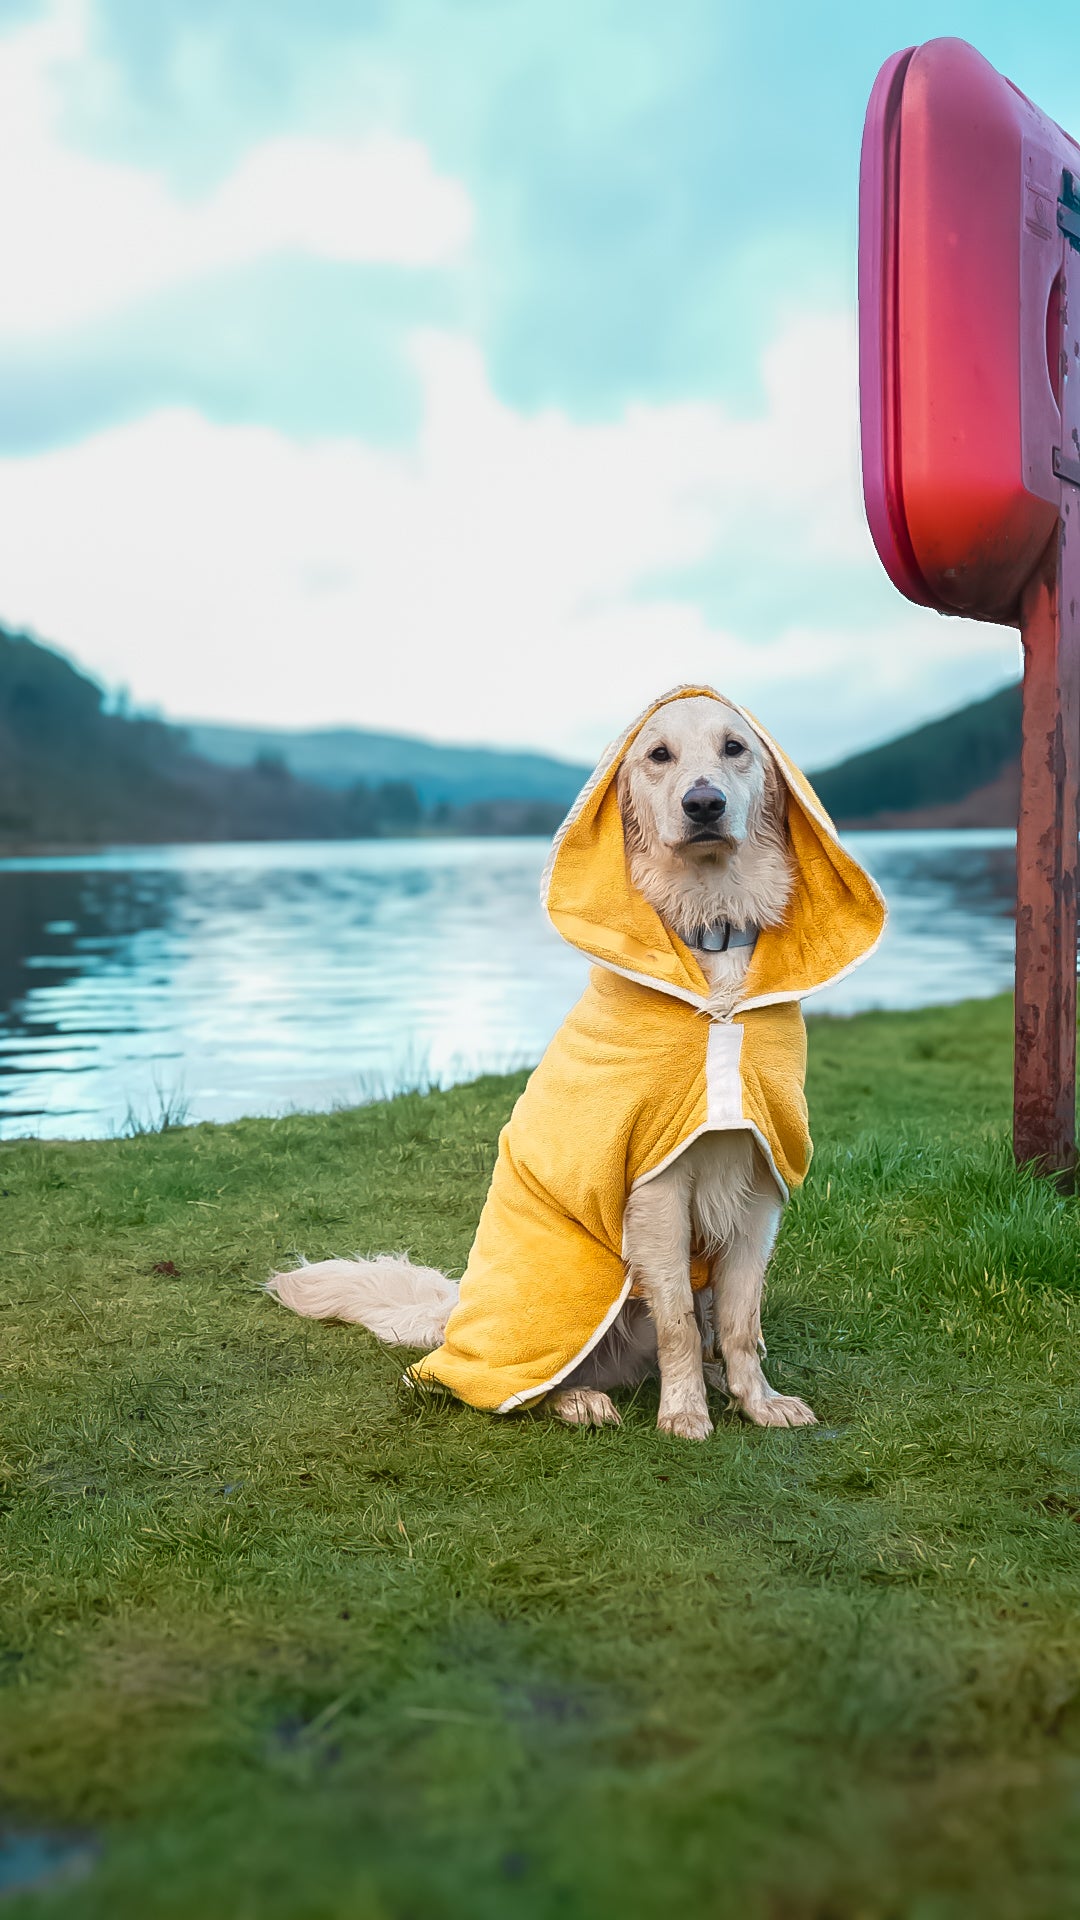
point(697, 781)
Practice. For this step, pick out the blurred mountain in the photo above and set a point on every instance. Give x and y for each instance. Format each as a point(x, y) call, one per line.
point(442, 775)
point(72, 774)
point(961, 771)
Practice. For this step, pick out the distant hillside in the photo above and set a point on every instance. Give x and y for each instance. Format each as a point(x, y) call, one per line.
point(442, 775)
point(961, 771)
point(73, 774)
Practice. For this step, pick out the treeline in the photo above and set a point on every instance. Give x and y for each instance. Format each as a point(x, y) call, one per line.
point(392, 809)
point(934, 766)
point(72, 773)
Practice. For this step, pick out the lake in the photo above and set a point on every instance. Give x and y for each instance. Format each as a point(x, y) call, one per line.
point(211, 982)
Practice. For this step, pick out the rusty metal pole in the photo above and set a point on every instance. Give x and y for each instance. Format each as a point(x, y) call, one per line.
point(1044, 1099)
point(1044, 1096)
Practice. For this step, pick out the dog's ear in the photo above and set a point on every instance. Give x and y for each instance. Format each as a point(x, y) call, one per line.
point(774, 804)
point(633, 838)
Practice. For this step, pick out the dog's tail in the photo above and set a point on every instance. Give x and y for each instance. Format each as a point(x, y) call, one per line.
point(405, 1306)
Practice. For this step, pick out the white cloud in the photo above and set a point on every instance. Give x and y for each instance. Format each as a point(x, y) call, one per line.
point(81, 237)
point(508, 578)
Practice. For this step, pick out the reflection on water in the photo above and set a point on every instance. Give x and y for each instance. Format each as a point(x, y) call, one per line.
point(250, 979)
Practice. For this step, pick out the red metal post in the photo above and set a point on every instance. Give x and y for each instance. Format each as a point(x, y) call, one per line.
point(1044, 1097)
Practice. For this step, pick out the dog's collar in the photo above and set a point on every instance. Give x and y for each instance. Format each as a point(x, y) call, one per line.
point(721, 936)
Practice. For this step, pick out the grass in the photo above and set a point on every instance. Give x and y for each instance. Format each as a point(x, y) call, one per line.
point(280, 1640)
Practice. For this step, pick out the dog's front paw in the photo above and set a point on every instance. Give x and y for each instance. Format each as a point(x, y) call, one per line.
point(584, 1407)
point(686, 1423)
point(778, 1410)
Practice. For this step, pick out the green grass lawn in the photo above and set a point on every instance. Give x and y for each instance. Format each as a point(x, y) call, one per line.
point(280, 1639)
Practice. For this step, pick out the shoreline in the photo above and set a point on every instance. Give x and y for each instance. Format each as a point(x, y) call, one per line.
point(990, 1013)
point(85, 849)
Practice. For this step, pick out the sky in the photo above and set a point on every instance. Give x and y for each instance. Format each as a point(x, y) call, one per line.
point(471, 368)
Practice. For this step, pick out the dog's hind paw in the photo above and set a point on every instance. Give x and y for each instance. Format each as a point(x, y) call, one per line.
point(584, 1407)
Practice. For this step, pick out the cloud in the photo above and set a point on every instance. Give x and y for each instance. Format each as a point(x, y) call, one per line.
point(83, 236)
point(312, 348)
point(635, 232)
point(509, 577)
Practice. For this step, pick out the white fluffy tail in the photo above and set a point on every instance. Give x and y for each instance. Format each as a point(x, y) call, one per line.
point(405, 1306)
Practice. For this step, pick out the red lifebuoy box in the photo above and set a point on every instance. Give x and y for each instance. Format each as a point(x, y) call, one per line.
point(959, 269)
point(969, 372)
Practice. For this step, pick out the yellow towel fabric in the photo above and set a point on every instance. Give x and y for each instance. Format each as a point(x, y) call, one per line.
point(635, 1073)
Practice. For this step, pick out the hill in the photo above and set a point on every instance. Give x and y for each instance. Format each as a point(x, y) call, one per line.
point(74, 774)
point(442, 775)
point(960, 771)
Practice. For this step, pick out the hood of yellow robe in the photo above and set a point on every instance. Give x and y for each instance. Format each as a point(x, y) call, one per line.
point(636, 1072)
point(835, 918)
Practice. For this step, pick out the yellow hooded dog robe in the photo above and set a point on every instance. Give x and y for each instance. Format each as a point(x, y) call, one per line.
point(635, 1073)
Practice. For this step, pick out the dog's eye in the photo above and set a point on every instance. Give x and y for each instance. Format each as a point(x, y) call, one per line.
point(733, 747)
point(659, 754)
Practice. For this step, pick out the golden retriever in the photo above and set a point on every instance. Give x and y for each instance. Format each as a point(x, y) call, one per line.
point(704, 821)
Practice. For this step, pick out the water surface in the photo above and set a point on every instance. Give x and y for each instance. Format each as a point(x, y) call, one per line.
point(217, 981)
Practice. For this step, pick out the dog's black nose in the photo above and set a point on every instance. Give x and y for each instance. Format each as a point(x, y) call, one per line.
point(704, 804)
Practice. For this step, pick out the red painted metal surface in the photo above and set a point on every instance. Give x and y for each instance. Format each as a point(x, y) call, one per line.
point(969, 268)
point(879, 198)
point(959, 252)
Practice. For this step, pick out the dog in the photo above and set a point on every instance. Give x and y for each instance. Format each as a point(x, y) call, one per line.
point(704, 813)
point(705, 822)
